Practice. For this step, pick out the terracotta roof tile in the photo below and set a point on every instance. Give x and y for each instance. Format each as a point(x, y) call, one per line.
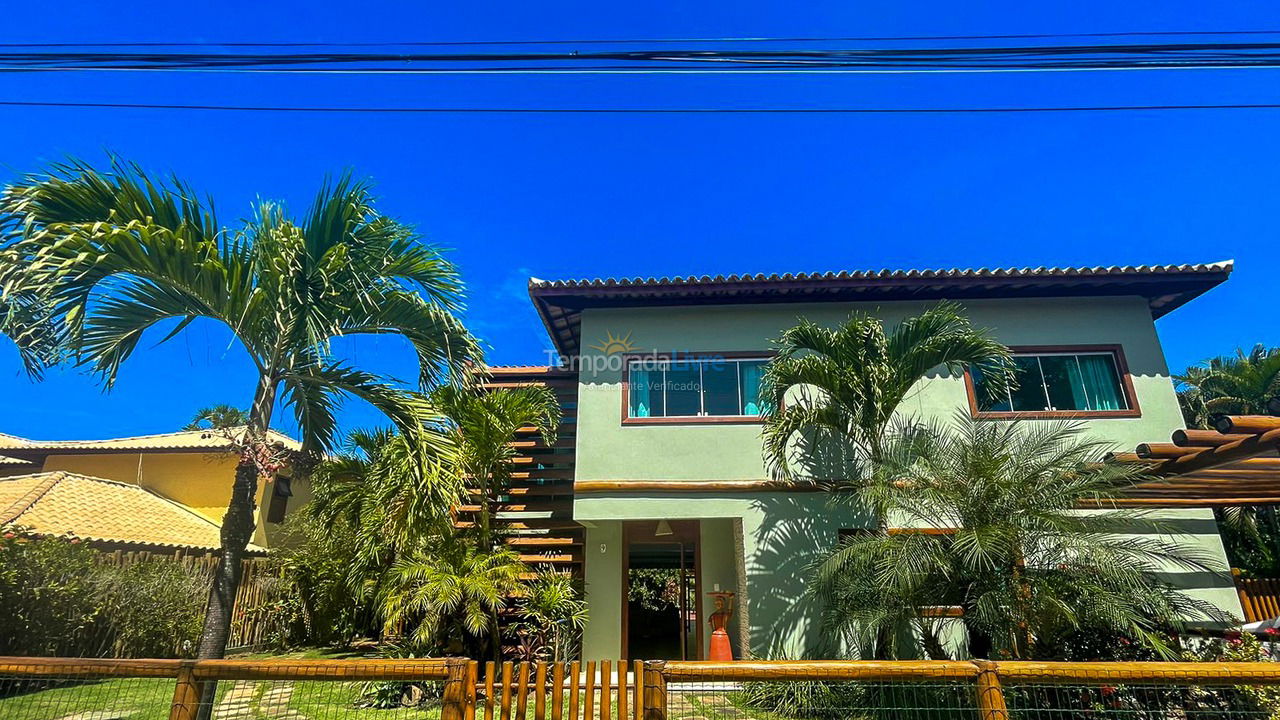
point(90, 508)
point(182, 440)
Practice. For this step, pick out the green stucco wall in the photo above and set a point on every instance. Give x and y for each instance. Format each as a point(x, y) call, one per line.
point(784, 532)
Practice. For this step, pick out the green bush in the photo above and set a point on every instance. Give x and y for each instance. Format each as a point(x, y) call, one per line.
point(154, 607)
point(57, 597)
point(48, 600)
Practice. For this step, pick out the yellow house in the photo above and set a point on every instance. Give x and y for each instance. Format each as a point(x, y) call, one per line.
point(193, 469)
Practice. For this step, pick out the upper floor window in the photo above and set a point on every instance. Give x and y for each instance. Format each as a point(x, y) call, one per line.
point(1083, 381)
point(689, 389)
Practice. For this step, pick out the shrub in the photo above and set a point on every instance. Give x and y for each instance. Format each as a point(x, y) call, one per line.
point(154, 607)
point(47, 598)
point(57, 597)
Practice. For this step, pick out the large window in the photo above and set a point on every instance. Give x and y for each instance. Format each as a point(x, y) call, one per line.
point(1069, 382)
point(711, 388)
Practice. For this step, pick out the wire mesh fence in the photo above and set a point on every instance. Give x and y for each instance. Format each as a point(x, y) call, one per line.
point(458, 689)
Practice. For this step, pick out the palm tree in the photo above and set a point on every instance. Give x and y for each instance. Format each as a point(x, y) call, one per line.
point(110, 255)
point(1243, 384)
point(389, 495)
point(1010, 546)
point(844, 385)
point(449, 590)
point(482, 424)
point(218, 417)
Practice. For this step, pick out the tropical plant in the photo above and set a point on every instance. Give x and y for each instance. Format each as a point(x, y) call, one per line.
point(110, 255)
point(481, 424)
point(448, 591)
point(390, 495)
point(218, 417)
point(1243, 384)
point(1013, 550)
point(553, 614)
point(833, 392)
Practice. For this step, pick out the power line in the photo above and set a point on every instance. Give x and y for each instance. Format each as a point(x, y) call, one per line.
point(1020, 57)
point(642, 111)
point(633, 41)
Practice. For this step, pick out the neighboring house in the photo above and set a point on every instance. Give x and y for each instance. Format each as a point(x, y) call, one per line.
point(187, 472)
point(667, 463)
point(107, 514)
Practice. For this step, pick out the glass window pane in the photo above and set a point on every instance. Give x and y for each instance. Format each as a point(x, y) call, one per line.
point(720, 388)
point(1062, 377)
point(645, 391)
point(684, 389)
point(986, 402)
point(750, 374)
point(1029, 395)
point(1101, 382)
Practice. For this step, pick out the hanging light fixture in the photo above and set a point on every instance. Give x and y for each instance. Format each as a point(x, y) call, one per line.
point(664, 529)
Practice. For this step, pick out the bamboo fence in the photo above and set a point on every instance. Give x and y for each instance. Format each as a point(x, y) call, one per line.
point(659, 690)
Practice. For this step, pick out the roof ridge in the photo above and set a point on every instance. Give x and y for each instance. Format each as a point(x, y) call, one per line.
point(1012, 270)
point(33, 495)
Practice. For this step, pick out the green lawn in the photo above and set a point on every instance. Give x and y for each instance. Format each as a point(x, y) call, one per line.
point(149, 699)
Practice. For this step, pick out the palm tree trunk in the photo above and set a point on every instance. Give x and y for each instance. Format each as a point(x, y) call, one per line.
point(238, 525)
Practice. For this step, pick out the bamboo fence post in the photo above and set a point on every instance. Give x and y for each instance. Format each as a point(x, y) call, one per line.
point(589, 692)
point(522, 694)
point(655, 691)
point(991, 704)
point(606, 689)
point(454, 703)
point(471, 679)
point(557, 691)
point(574, 668)
point(540, 690)
point(637, 704)
point(186, 694)
point(490, 671)
point(622, 690)
point(505, 703)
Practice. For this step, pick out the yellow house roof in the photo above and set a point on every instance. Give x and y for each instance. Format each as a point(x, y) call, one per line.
point(185, 440)
point(90, 508)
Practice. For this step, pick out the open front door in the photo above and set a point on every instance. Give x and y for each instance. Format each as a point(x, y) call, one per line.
point(661, 588)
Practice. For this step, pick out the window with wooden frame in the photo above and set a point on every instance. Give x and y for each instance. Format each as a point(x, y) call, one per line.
point(710, 388)
point(1077, 381)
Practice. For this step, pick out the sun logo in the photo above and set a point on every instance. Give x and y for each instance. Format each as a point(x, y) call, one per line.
point(613, 345)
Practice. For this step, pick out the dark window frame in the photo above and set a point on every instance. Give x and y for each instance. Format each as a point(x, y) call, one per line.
point(278, 506)
point(1122, 369)
point(630, 358)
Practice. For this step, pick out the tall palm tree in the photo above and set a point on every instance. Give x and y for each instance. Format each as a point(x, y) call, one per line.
point(482, 424)
point(1022, 561)
point(835, 391)
point(109, 255)
point(1243, 384)
point(218, 417)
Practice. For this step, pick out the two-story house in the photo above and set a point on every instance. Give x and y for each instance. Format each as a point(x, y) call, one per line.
point(669, 479)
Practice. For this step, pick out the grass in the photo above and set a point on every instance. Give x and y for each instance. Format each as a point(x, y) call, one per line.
point(150, 699)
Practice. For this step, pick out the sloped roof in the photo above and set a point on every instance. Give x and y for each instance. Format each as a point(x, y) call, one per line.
point(94, 509)
point(1165, 287)
point(182, 441)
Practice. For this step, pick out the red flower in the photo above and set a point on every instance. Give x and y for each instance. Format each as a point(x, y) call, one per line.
point(1107, 691)
point(1271, 632)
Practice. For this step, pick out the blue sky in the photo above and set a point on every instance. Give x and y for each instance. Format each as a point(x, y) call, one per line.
point(608, 195)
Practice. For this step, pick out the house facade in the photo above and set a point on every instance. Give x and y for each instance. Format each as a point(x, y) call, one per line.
point(669, 480)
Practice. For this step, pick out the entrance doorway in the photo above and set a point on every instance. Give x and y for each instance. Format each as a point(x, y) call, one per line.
point(660, 613)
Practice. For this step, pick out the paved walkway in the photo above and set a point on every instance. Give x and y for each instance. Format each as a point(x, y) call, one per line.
point(238, 703)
